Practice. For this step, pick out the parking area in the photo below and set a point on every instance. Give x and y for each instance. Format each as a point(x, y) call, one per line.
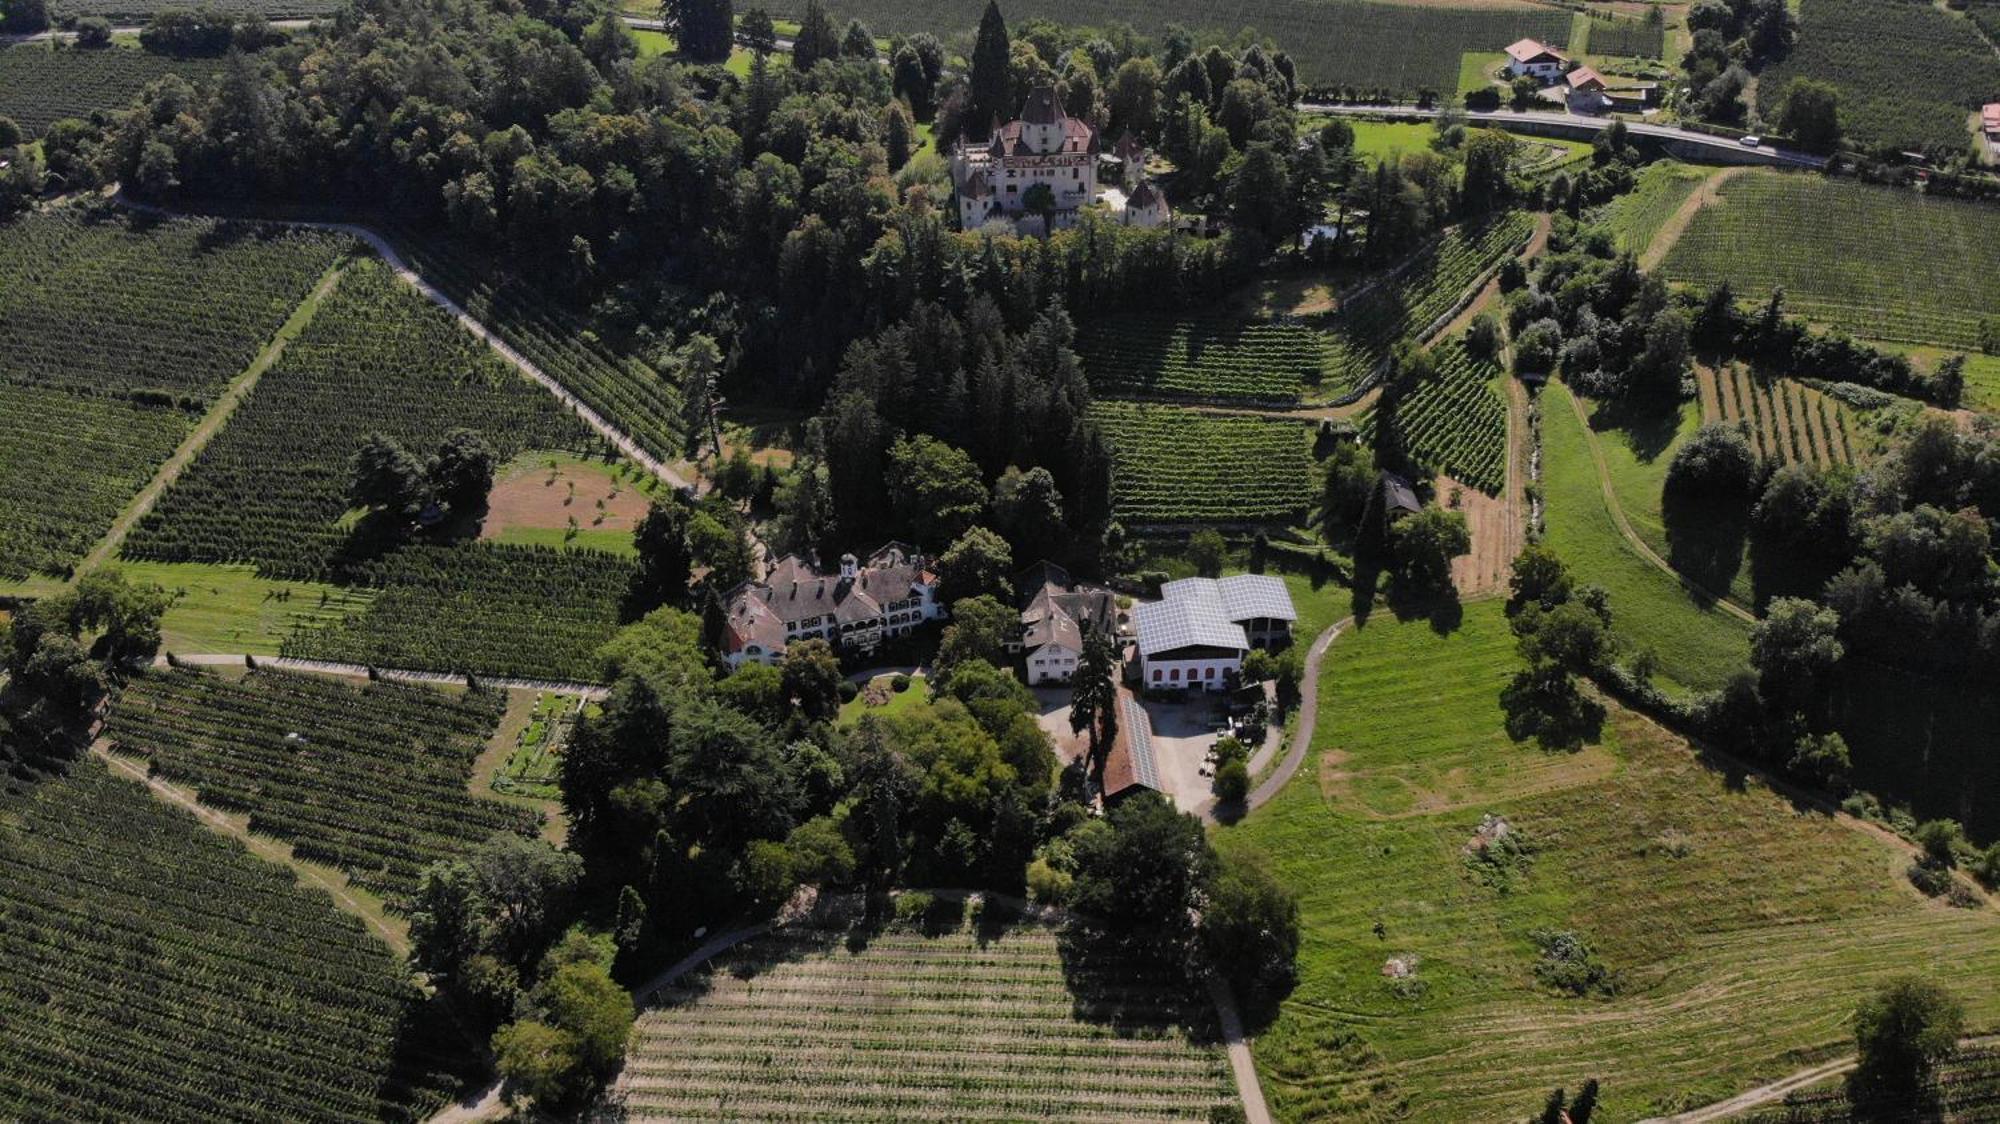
point(1183, 731)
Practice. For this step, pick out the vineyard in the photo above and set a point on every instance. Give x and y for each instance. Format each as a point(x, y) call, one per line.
point(808, 1024)
point(1455, 423)
point(1908, 73)
point(524, 611)
point(370, 780)
point(138, 11)
point(1207, 356)
point(1625, 38)
point(1881, 263)
point(98, 300)
point(1174, 465)
point(1966, 1091)
point(1400, 48)
point(1638, 216)
point(156, 971)
point(64, 478)
point(625, 392)
point(1365, 327)
point(376, 358)
point(40, 85)
point(113, 328)
point(1786, 422)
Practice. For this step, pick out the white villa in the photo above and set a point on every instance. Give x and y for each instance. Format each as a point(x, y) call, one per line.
point(1201, 628)
point(855, 609)
point(1534, 57)
point(1045, 146)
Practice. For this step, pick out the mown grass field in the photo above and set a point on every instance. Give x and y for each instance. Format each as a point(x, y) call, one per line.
point(1698, 646)
point(1908, 73)
point(1877, 261)
point(230, 609)
point(41, 84)
point(1740, 930)
point(931, 1020)
point(1356, 43)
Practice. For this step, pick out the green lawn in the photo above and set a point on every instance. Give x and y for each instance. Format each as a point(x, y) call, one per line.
point(1376, 140)
point(900, 702)
point(1475, 70)
point(226, 608)
point(1741, 931)
point(1698, 646)
point(655, 43)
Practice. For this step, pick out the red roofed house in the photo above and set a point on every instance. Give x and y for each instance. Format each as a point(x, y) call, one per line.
point(1586, 91)
point(1532, 56)
point(854, 609)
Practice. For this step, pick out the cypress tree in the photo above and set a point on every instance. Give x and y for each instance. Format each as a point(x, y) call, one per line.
point(817, 39)
point(992, 72)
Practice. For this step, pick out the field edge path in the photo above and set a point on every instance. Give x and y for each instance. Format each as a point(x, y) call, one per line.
point(408, 274)
point(1773, 1090)
point(212, 420)
point(1624, 525)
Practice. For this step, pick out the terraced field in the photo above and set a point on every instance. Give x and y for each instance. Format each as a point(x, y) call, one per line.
point(921, 1025)
point(1879, 262)
point(1202, 357)
point(157, 971)
point(40, 85)
point(272, 488)
point(1702, 896)
point(115, 332)
point(1455, 423)
point(1786, 421)
point(1174, 465)
point(370, 780)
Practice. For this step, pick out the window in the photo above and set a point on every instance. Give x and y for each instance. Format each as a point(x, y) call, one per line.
point(1176, 675)
point(1156, 675)
point(1209, 673)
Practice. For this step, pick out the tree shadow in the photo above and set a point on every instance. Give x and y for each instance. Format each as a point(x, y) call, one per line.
point(1544, 703)
point(1705, 538)
point(1116, 982)
point(1438, 607)
point(1648, 425)
point(433, 1053)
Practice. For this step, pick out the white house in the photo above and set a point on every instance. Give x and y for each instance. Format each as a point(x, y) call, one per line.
point(1585, 91)
point(1201, 628)
point(1056, 617)
point(1534, 57)
point(1147, 207)
point(855, 609)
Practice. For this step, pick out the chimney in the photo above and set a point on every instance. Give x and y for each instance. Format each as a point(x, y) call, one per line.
point(849, 566)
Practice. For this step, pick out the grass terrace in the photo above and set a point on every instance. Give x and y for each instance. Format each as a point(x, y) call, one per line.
point(1701, 895)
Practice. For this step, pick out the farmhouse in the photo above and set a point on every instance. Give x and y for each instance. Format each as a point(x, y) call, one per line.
point(1535, 58)
point(1397, 496)
point(854, 610)
point(1057, 615)
point(1584, 90)
point(1197, 634)
point(1044, 147)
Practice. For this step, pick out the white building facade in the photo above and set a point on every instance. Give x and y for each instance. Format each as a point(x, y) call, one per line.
point(1537, 59)
point(855, 609)
point(1196, 636)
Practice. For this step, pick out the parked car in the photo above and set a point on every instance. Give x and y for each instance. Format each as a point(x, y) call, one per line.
point(1750, 141)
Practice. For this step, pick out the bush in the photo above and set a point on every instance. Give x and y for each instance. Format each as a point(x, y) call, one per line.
point(93, 32)
point(849, 690)
point(1940, 840)
point(899, 683)
point(1232, 782)
point(1568, 964)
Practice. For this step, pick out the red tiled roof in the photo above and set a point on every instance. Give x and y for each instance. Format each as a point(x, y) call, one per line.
point(1584, 78)
point(1528, 50)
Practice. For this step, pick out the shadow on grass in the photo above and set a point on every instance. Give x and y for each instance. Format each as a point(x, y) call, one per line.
point(1116, 981)
point(1705, 539)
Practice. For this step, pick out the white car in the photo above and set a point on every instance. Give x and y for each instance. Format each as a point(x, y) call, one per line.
point(1749, 142)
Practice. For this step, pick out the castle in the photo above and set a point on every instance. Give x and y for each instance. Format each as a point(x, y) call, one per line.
point(1046, 146)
